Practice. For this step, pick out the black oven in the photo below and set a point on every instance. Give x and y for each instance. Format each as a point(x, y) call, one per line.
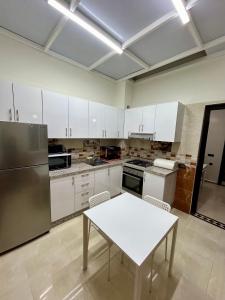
point(133, 180)
point(59, 161)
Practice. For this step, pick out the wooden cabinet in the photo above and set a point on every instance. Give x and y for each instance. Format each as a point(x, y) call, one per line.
point(27, 103)
point(55, 114)
point(115, 180)
point(169, 121)
point(6, 101)
point(78, 118)
point(62, 197)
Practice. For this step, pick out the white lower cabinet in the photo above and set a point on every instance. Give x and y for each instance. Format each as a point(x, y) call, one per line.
point(115, 178)
point(160, 187)
point(84, 189)
point(109, 179)
point(62, 197)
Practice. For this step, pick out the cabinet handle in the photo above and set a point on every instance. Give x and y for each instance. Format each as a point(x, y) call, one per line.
point(66, 131)
point(84, 203)
point(17, 116)
point(10, 114)
point(86, 184)
point(139, 128)
point(142, 127)
point(108, 171)
point(70, 131)
point(85, 194)
point(118, 133)
point(105, 133)
point(84, 175)
point(72, 180)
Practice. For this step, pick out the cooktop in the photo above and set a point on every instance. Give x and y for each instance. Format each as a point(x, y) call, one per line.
point(140, 163)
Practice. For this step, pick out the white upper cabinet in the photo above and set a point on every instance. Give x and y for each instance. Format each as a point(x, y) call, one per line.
point(78, 118)
point(169, 121)
point(120, 122)
point(96, 120)
point(28, 104)
point(110, 121)
point(148, 119)
point(55, 114)
point(140, 120)
point(6, 101)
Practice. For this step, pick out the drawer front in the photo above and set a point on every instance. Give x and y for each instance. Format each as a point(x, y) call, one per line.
point(81, 187)
point(82, 199)
point(85, 177)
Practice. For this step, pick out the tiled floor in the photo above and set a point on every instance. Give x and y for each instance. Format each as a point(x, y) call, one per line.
point(212, 201)
point(51, 267)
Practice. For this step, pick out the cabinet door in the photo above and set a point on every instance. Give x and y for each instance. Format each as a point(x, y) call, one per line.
point(55, 114)
point(133, 121)
point(96, 120)
point(102, 181)
point(120, 123)
point(148, 119)
point(110, 122)
point(153, 185)
point(6, 101)
point(78, 118)
point(62, 197)
point(28, 104)
point(115, 174)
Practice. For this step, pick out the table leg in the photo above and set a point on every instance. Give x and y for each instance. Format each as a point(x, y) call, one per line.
point(173, 248)
point(85, 242)
point(137, 283)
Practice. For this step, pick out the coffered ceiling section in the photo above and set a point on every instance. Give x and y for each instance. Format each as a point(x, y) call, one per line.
point(150, 32)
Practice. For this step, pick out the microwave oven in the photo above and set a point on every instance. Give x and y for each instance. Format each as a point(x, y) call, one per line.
point(58, 161)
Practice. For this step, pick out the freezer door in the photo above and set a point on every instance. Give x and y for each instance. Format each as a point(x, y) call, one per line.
point(24, 205)
point(22, 145)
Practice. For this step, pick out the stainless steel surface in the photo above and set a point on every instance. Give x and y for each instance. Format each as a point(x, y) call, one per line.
point(22, 145)
point(132, 171)
point(24, 205)
point(140, 135)
point(24, 183)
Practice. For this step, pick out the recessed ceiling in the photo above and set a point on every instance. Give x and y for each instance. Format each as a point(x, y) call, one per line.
point(163, 43)
point(130, 22)
point(31, 19)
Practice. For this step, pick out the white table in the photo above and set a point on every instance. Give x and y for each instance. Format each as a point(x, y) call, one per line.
point(135, 226)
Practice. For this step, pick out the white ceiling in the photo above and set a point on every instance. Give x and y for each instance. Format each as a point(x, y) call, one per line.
point(150, 30)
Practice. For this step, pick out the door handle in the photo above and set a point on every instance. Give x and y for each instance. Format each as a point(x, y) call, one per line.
point(10, 114)
point(17, 116)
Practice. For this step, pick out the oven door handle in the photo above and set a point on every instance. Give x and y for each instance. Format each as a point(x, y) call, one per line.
point(133, 176)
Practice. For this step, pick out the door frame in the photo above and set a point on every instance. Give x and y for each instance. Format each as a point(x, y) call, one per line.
point(222, 167)
point(201, 153)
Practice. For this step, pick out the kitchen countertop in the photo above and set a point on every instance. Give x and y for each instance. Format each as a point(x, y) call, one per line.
point(159, 171)
point(79, 168)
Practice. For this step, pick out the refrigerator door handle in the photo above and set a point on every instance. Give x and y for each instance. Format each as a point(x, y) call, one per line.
point(17, 115)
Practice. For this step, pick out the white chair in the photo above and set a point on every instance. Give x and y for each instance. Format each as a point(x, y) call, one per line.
point(93, 201)
point(162, 205)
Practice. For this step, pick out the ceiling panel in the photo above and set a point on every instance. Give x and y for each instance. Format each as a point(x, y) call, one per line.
point(77, 44)
point(163, 43)
point(125, 18)
point(209, 17)
point(216, 49)
point(118, 66)
point(32, 19)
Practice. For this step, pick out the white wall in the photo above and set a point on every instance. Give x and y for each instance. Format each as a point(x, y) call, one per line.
point(24, 64)
point(200, 82)
point(215, 144)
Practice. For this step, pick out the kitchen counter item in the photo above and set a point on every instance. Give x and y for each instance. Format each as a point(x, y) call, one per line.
point(165, 163)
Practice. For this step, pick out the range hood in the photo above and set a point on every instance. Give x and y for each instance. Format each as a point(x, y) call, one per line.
point(143, 136)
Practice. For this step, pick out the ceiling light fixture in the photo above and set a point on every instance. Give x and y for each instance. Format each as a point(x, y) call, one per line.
point(75, 18)
point(180, 7)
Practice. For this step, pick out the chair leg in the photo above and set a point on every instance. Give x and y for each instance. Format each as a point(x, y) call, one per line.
point(122, 258)
point(166, 249)
point(109, 264)
point(151, 276)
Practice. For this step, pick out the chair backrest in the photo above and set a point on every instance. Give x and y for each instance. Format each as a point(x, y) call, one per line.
point(157, 202)
point(99, 198)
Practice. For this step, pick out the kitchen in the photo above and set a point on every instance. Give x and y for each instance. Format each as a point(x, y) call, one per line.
point(63, 77)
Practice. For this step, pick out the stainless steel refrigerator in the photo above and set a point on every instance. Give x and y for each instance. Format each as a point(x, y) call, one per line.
point(24, 183)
